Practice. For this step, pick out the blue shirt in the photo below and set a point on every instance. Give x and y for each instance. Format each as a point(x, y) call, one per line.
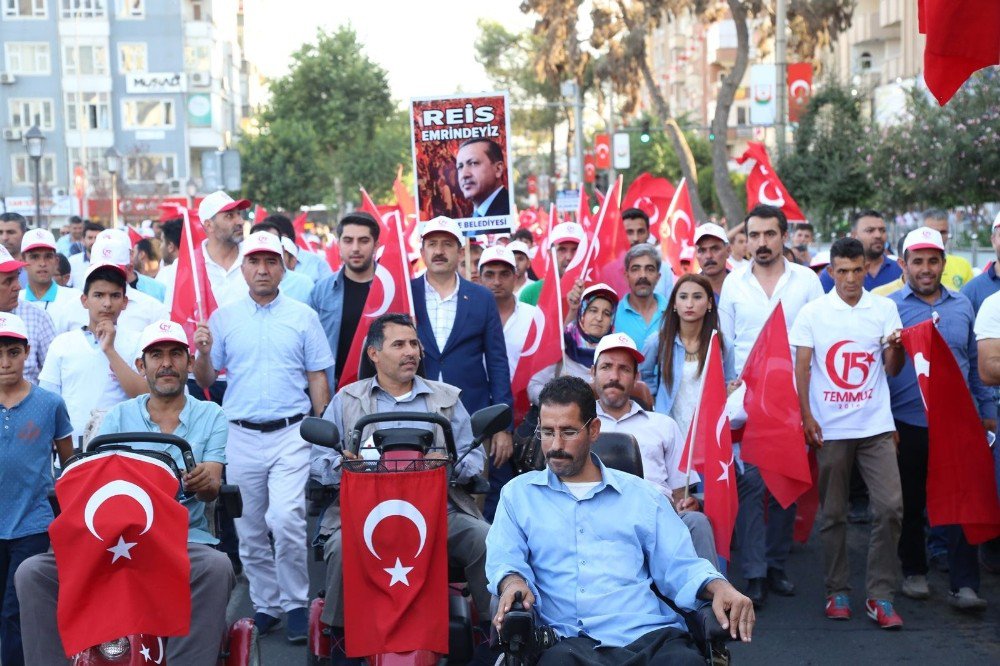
point(981, 287)
point(296, 285)
point(887, 272)
point(956, 327)
point(312, 266)
point(47, 297)
point(151, 287)
point(267, 351)
point(632, 324)
point(202, 424)
point(29, 428)
point(327, 299)
point(652, 374)
point(590, 562)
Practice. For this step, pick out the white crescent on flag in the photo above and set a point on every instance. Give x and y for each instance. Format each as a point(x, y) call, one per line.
point(394, 507)
point(112, 489)
point(385, 278)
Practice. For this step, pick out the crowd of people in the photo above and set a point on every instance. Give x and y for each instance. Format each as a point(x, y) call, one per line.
point(86, 347)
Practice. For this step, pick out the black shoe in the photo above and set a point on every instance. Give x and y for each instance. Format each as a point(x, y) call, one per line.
point(939, 562)
point(757, 591)
point(297, 625)
point(265, 623)
point(779, 583)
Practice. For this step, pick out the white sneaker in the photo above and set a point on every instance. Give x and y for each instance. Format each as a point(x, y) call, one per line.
point(966, 599)
point(915, 587)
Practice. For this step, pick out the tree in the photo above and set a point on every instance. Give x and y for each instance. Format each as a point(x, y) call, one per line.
point(283, 166)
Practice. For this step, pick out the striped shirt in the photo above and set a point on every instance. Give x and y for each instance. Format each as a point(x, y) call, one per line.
point(40, 335)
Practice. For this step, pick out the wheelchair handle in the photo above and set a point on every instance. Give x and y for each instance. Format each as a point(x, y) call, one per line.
point(103, 441)
point(420, 417)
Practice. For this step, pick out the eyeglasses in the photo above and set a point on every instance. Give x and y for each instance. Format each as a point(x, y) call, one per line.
point(565, 434)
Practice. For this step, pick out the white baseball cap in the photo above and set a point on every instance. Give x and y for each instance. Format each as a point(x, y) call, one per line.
point(710, 229)
point(117, 235)
point(445, 225)
point(262, 241)
point(566, 232)
point(218, 202)
point(519, 246)
point(289, 246)
point(110, 252)
point(820, 259)
point(12, 326)
point(162, 331)
point(618, 341)
point(600, 289)
point(923, 238)
point(498, 253)
point(37, 238)
point(8, 264)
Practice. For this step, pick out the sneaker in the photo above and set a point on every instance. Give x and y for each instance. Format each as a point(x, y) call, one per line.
point(297, 625)
point(966, 599)
point(883, 613)
point(265, 623)
point(915, 587)
point(838, 607)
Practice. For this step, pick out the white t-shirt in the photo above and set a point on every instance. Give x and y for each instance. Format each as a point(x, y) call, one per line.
point(66, 310)
point(580, 488)
point(166, 276)
point(515, 332)
point(78, 370)
point(141, 311)
point(848, 391)
point(988, 318)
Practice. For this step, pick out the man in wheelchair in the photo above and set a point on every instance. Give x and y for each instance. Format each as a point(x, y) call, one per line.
point(585, 546)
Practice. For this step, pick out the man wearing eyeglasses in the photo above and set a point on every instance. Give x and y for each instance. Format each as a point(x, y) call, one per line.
point(583, 544)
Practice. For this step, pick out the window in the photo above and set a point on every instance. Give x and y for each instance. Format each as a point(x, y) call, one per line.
point(94, 166)
point(147, 114)
point(28, 58)
point(198, 58)
point(27, 112)
point(132, 58)
point(24, 9)
point(82, 8)
point(24, 170)
point(144, 167)
point(85, 59)
point(129, 9)
point(88, 110)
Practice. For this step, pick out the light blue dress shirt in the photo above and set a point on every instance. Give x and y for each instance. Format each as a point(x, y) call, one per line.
point(651, 373)
point(151, 287)
point(296, 285)
point(267, 351)
point(590, 562)
point(327, 299)
point(632, 324)
point(312, 266)
point(202, 425)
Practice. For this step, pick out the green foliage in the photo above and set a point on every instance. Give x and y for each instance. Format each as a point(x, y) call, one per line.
point(283, 166)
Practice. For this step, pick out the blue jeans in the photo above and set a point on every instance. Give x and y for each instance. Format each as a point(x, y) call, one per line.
point(12, 553)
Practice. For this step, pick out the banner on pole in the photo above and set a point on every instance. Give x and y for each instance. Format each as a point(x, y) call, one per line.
point(763, 107)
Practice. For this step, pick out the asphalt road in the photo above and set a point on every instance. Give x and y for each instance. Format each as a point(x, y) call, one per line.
point(793, 630)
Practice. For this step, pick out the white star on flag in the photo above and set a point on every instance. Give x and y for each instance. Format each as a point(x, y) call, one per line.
point(145, 653)
point(121, 549)
point(398, 573)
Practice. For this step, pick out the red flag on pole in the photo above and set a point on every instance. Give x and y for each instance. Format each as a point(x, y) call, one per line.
point(608, 244)
point(299, 224)
point(389, 292)
point(602, 151)
point(133, 236)
point(709, 449)
point(961, 485)
point(773, 438)
point(962, 37)
point(764, 186)
point(537, 221)
point(369, 206)
point(193, 301)
point(544, 345)
point(395, 543)
point(676, 231)
point(120, 544)
point(333, 255)
point(652, 196)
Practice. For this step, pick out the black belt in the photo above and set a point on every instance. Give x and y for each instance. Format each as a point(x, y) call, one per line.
point(270, 426)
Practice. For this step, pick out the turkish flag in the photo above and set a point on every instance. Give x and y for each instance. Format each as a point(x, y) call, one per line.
point(800, 76)
point(538, 222)
point(676, 230)
point(773, 438)
point(404, 197)
point(299, 224)
point(962, 37)
point(333, 255)
point(709, 449)
point(604, 261)
point(583, 212)
point(259, 214)
point(544, 345)
point(602, 151)
point(961, 485)
point(133, 236)
point(395, 548)
point(193, 301)
point(808, 504)
point(120, 544)
point(389, 292)
point(764, 186)
point(652, 196)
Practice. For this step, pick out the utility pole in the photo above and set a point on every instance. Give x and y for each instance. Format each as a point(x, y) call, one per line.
point(612, 174)
point(572, 89)
point(781, 83)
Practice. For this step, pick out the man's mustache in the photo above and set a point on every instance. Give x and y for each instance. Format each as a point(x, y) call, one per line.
point(614, 385)
point(643, 281)
point(559, 454)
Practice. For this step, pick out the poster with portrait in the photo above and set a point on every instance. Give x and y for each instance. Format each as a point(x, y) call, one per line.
point(461, 161)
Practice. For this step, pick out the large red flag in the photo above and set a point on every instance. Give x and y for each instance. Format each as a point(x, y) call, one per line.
point(544, 345)
point(652, 196)
point(370, 207)
point(120, 544)
point(676, 232)
point(194, 301)
point(764, 186)
point(404, 197)
point(390, 292)
point(395, 543)
point(604, 261)
point(537, 221)
point(962, 37)
point(961, 485)
point(299, 224)
point(773, 438)
point(709, 449)
point(333, 255)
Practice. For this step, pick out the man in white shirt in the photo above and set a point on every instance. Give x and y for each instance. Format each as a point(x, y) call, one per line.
point(80, 261)
point(92, 367)
point(142, 309)
point(846, 342)
point(498, 272)
point(522, 257)
point(615, 371)
point(38, 248)
point(747, 299)
point(220, 215)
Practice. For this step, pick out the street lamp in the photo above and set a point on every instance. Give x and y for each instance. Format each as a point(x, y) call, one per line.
point(33, 142)
point(114, 162)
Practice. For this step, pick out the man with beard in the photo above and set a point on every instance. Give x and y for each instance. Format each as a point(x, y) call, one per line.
point(747, 299)
point(339, 299)
point(584, 545)
point(711, 247)
point(220, 215)
point(523, 258)
point(640, 312)
point(498, 272)
point(868, 226)
point(481, 168)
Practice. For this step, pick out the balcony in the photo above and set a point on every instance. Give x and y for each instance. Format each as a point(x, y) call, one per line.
point(890, 13)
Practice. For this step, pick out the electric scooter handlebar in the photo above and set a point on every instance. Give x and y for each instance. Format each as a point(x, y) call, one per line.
point(106, 441)
point(354, 443)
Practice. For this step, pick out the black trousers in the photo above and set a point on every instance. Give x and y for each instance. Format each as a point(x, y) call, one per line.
point(662, 647)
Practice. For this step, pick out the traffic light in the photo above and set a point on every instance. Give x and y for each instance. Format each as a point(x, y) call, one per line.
point(644, 137)
point(711, 136)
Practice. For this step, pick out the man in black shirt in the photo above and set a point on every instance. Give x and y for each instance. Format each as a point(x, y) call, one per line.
point(340, 298)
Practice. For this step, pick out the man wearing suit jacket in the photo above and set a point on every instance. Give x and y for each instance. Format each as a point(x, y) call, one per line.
point(480, 167)
point(459, 326)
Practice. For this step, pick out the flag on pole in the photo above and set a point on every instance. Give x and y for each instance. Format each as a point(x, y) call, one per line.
point(193, 301)
point(676, 233)
point(652, 196)
point(962, 36)
point(764, 186)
